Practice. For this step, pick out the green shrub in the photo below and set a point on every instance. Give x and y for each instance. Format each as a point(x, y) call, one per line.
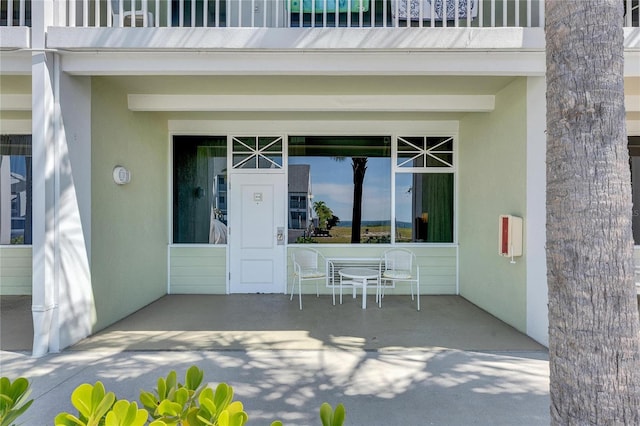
point(170, 404)
point(13, 399)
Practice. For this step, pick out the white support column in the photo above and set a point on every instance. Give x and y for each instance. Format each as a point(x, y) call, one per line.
point(63, 306)
point(44, 294)
point(537, 298)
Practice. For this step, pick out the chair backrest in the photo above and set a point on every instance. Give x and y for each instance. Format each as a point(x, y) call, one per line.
point(306, 258)
point(398, 259)
point(127, 6)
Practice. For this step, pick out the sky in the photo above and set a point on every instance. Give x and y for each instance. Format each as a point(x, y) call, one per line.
point(332, 182)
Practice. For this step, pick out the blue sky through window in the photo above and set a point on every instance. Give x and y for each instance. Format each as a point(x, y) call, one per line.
point(332, 182)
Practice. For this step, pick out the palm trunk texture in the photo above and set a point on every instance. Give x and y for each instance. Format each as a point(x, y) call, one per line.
point(359, 165)
point(594, 349)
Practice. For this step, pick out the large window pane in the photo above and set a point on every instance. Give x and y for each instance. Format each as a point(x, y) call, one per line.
point(15, 189)
point(347, 185)
point(200, 189)
point(424, 207)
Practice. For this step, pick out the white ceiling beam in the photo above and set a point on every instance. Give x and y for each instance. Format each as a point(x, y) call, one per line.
point(15, 102)
point(632, 103)
point(392, 103)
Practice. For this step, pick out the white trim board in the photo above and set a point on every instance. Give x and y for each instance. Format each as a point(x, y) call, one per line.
point(382, 103)
point(319, 127)
point(15, 102)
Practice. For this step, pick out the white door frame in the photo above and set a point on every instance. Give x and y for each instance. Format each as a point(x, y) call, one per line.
point(257, 215)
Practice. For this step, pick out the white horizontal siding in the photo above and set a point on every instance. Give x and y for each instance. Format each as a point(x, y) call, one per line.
point(15, 271)
point(438, 267)
point(197, 270)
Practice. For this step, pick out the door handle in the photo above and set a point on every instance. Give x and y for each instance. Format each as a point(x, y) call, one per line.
point(280, 235)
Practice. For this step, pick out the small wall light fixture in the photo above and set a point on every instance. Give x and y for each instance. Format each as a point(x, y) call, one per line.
point(121, 175)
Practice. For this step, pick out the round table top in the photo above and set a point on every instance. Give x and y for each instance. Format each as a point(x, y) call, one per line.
point(363, 273)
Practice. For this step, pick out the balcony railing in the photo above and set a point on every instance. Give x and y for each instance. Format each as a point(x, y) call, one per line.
point(292, 13)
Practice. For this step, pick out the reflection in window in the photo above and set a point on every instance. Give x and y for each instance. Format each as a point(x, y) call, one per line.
point(424, 189)
point(424, 207)
point(15, 189)
point(350, 201)
point(200, 189)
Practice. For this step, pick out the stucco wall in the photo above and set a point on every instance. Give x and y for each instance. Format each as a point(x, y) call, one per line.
point(15, 270)
point(129, 222)
point(437, 266)
point(15, 261)
point(198, 270)
point(493, 182)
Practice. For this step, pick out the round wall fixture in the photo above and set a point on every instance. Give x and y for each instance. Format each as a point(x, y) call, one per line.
point(121, 175)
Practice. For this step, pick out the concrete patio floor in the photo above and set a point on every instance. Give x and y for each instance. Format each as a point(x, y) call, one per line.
point(449, 364)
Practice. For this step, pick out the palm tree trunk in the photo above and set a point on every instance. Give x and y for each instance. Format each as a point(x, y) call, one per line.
point(594, 349)
point(359, 165)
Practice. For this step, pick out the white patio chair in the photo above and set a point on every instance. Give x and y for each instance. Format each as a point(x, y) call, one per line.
point(398, 265)
point(129, 12)
point(308, 265)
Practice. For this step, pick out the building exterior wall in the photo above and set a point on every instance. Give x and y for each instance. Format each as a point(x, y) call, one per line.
point(438, 266)
point(15, 270)
point(129, 258)
point(15, 261)
point(493, 162)
point(197, 269)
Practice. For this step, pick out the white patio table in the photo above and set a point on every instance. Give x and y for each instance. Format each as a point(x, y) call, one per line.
point(359, 276)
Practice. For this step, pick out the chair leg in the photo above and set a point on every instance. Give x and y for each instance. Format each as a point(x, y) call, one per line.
point(333, 292)
point(418, 294)
point(300, 292)
point(293, 286)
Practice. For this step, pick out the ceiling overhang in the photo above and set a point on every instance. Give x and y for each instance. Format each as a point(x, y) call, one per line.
point(336, 103)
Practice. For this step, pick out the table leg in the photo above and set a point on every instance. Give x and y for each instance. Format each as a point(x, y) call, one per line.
point(364, 293)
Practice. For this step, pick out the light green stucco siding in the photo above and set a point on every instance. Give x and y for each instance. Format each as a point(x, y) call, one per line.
point(492, 181)
point(15, 271)
point(437, 267)
point(129, 222)
point(198, 270)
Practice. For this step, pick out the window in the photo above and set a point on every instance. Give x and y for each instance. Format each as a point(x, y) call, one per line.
point(15, 189)
point(424, 189)
point(200, 189)
point(347, 182)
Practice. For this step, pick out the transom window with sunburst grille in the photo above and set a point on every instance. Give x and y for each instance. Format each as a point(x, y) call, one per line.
point(425, 152)
point(257, 152)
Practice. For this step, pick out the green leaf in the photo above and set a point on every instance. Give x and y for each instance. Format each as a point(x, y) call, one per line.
point(222, 397)
point(162, 389)
point(207, 406)
point(13, 399)
point(193, 378)
point(339, 415)
point(181, 397)
point(223, 418)
point(149, 401)
point(125, 413)
point(103, 405)
point(66, 419)
point(172, 380)
point(326, 414)
point(81, 399)
point(169, 408)
point(238, 418)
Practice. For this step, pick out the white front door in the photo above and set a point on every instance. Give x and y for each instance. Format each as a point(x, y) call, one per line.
point(257, 232)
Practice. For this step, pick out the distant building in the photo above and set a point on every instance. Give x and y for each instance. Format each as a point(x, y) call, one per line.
point(300, 206)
